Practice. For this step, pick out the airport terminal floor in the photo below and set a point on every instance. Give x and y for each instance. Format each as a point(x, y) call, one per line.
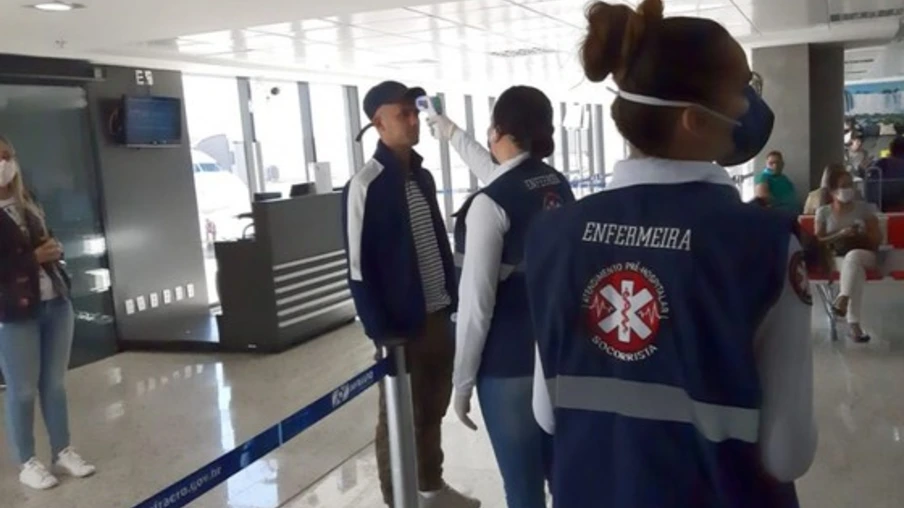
point(147, 419)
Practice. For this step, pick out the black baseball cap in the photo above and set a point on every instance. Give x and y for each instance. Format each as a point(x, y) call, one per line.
point(387, 92)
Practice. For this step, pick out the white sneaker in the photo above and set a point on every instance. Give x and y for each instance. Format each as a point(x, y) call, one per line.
point(448, 498)
point(72, 464)
point(36, 476)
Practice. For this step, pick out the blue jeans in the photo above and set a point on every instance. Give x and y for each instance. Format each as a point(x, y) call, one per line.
point(34, 356)
point(520, 445)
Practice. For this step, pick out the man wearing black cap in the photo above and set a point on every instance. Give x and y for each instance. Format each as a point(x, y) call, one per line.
point(402, 278)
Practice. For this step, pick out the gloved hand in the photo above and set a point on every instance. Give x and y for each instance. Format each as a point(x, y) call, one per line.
point(441, 127)
point(462, 406)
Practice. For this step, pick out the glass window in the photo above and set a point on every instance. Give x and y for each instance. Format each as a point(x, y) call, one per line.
point(558, 156)
point(50, 133)
point(483, 115)
point(461, 175)
point(573, 123)
point(278, 132)
point(331, 130)
point(218, 155)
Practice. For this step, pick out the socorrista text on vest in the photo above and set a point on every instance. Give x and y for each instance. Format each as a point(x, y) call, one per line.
point(648, 237)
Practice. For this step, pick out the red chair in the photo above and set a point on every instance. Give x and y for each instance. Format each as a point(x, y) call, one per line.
point(895, 238)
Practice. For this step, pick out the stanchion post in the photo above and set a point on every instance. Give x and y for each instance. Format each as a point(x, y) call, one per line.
point(400, 418)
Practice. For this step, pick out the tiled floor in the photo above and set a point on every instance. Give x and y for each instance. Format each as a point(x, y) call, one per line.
point(149, 419)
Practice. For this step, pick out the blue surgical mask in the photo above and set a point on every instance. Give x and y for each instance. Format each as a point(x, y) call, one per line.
point(751, 130)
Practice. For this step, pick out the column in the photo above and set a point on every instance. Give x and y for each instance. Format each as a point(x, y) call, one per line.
point(804, 86)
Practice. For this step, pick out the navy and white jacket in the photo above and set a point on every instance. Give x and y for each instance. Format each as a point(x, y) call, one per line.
point(520, 192)
point(382, 262)
point(673, 331)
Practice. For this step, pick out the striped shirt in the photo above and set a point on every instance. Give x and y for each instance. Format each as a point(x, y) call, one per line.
point(429, 260)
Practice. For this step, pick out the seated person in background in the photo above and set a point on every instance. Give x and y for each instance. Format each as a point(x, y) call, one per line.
point(776, 188)
point(858, 158)
point(896, 148)
point(885, 178)
point(822, 196)
point(851, 228)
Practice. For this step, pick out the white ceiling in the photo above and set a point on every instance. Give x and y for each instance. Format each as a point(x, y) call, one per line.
point(477, 41)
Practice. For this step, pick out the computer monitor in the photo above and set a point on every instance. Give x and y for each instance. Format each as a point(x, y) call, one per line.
point(302, 189)
point(267, 196)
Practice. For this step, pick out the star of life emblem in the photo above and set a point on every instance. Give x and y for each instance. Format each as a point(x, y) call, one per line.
point(624, 306)
point(552, 200)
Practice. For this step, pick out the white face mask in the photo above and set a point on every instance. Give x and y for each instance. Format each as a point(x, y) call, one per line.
point(844, 195)
point(8, 170)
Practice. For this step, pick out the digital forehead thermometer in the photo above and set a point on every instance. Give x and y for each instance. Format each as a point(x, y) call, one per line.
point(430, 105)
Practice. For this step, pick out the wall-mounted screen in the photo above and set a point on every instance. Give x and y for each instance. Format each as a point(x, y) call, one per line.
point(152, 121)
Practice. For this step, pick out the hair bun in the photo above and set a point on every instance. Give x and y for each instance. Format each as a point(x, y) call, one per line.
point(614, 33)
point(651, 10)
point(543, 146)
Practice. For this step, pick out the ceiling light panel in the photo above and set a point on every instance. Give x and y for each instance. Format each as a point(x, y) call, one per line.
point(219, 37)
point(724, 16)
point(402, 26)
point(579, 3)
point(382, 42)
point(415, 51)
point(454, 36)
point(295, 27)
point(690, 7)
point(367, 18)
point(203, 49)
point(338, 34)
point(451, 8)
point(56, 6)
point(488, 17)
point(254, 40)
point(525, 27)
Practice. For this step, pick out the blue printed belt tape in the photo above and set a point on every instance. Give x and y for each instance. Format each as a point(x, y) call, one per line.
point(206, 478)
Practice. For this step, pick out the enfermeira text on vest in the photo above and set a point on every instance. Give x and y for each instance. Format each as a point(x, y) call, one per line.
point(649, 237)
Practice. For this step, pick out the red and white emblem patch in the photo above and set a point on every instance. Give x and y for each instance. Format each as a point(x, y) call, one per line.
point(552, 200)
point(624, 306)
point(799, 278)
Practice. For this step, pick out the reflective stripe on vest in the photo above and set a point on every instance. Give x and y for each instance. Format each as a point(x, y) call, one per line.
point(652, 401)
point(505, 270)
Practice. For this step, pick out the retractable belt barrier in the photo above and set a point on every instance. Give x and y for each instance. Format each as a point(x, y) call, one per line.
point(209, 476)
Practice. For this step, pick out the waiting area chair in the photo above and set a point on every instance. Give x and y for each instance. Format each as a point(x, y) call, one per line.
point(890, 263)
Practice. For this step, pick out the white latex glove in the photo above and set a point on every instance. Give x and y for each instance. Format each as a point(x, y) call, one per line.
point(441, 127)
point(462, 405)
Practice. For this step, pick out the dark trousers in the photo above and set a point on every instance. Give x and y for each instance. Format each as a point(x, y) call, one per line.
point(430, 359)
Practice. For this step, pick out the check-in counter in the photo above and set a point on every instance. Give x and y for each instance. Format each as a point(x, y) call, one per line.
point(287, 283)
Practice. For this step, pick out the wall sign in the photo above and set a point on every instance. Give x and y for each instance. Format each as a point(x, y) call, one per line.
point(144, 77)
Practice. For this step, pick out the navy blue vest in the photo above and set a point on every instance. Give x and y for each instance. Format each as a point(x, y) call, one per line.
point(522, 192)
point(646, 301)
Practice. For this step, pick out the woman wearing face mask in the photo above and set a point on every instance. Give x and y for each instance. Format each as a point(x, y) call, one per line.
point(36, 327)
point(673, 319)
point(822, 196)
point(494, 340)
point(851, 228)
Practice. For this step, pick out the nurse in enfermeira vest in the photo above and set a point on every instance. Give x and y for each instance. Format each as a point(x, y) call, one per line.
point(494, 343)
point(672, 319)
